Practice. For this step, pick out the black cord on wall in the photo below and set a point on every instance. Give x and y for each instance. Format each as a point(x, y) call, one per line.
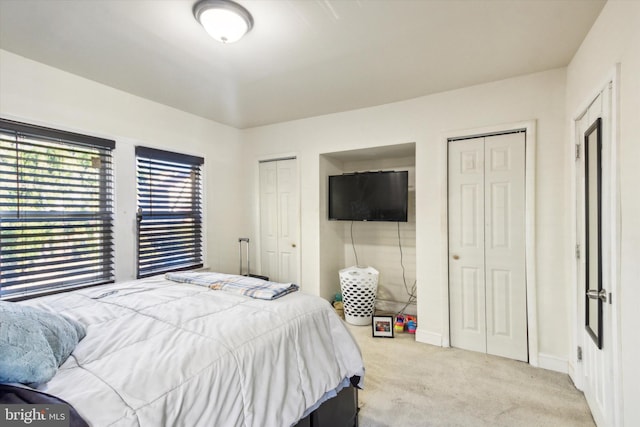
point(354, 246)
point(412, 293)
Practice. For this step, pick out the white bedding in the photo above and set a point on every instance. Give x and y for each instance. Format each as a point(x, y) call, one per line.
point(160, 353)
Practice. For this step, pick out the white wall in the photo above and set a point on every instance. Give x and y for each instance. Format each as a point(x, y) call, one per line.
point(331, 232)
point(426, 121)
point(615, 38)
point(39, 94)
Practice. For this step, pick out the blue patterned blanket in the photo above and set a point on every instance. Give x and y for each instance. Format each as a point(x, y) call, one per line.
point(243, 285)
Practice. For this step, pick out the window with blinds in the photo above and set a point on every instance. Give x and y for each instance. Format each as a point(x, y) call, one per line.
point(169, 211)
point(56, 210)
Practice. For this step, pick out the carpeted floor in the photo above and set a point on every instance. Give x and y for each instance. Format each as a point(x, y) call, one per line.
point(410, 384)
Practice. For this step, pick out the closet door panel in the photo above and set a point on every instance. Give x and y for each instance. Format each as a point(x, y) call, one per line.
point(466, 244)
point(505, 246)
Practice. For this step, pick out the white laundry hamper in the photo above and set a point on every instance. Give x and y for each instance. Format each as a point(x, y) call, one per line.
point(359, 286)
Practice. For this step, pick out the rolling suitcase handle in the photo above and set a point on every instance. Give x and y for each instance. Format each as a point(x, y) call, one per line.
point(240, 240)
point(257, 276)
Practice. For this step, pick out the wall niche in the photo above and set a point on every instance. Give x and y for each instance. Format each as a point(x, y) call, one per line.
point(385, 246)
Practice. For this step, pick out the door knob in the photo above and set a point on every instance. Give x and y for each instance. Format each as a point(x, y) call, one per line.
point(293, 245)
point(456, 257)
point(593, 294)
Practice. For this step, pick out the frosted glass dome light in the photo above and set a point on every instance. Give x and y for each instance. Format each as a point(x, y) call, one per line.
point(224, 20)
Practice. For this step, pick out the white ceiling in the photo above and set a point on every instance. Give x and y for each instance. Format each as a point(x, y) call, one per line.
point(303, 58)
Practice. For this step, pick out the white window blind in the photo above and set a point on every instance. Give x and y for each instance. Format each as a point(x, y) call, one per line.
point(56, 210)
point(169, 211)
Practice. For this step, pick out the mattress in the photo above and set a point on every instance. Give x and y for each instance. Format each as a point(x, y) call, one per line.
point(164, 353)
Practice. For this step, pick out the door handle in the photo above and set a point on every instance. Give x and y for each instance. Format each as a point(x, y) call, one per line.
point(601, 295)
point(455, 256)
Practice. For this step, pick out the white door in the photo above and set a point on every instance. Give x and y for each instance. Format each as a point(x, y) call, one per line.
point(595, 247)
point(487, 286)
point(279, 220)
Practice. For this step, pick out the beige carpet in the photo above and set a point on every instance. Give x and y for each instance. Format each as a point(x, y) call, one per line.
point(410, 384)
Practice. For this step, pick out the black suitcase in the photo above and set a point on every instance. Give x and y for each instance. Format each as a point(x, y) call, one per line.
point(248, 273)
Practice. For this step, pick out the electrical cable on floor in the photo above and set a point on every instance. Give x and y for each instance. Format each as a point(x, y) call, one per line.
point(354, 246)
point(409, 301)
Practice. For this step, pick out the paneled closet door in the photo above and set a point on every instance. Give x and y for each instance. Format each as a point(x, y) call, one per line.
point(279, 220)
point(466, 245)
point(487, 285)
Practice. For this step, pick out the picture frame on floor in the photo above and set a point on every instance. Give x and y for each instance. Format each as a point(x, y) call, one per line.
point(382, 326)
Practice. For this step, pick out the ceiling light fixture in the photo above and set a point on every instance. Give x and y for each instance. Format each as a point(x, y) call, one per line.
point(224, 20)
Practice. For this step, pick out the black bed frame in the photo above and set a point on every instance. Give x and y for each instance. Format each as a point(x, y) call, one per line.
point(340, 411)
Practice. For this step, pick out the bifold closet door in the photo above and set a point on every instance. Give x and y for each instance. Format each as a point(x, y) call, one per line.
point(279, 220)
point(487, 286)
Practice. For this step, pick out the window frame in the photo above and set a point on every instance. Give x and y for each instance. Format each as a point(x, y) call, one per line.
point(61, 266)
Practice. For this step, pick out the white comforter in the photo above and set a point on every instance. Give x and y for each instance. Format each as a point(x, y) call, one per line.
point(159, 353)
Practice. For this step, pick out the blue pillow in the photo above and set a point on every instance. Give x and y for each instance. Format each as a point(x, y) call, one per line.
point(33, 343)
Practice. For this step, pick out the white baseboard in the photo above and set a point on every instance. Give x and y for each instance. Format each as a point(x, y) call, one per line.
point(553, 363)
point(428, 337)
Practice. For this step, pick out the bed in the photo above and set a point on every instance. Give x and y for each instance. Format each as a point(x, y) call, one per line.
point(163, 353)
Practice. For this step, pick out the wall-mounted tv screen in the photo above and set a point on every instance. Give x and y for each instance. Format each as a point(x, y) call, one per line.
point(369, 196)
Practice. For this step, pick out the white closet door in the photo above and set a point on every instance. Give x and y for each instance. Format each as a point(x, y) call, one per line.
point(288, 227)
point(505, 282)
point(269, 219)
point(279, 220)
point(466, 244)
point(488, 311)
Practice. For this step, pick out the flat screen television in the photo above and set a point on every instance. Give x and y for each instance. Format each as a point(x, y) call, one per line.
point(369, 196)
